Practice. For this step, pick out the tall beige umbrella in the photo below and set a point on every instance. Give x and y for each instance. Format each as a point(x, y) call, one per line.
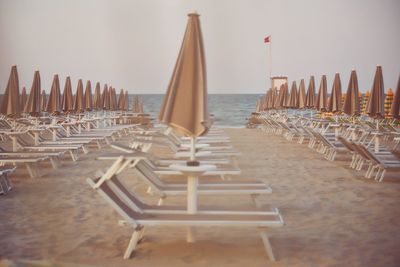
point(113, 99)
point(136, 104)
point(293, 96)
point(302, 95)
point(23, 99)
point(395, 109)
point(336, 94)
point(11, 100)
point(126, 101)
point(79, 101)
point(54, 102)
point(375, 105)
point(185, 105)
point(97, 100)
point(33, 104)
point(352, 101)
point(67, 98)
point(121, 99)
point(105, 98)
point(285, 96)
point(88, 96)
point(43, 101)
point(310, 96)
point(322, 101)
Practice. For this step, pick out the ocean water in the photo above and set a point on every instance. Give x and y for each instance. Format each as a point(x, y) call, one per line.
point(230, 110)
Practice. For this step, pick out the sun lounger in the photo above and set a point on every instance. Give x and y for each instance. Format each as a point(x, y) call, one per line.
point(139, 219)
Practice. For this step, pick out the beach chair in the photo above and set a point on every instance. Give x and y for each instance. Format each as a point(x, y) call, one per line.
point(5, 183)
point(382, 164)
point(138, 219)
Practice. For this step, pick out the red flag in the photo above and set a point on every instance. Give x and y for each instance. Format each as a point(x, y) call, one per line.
point(267, 39)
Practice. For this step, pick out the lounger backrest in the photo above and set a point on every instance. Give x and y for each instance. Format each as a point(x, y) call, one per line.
point(119, 188)
point(369, 154)
point(346, 143)
point(148, 174)
point(119, 206)
point(360, 151)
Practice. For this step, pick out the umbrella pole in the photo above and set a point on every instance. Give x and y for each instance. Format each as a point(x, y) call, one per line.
point(192, 148)
point(192, 193)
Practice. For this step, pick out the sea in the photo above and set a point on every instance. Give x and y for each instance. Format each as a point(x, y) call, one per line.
point(230, 110)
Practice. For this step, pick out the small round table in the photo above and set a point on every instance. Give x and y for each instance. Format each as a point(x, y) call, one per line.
point(192, 173)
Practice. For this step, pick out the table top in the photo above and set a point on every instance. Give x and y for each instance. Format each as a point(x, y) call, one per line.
point(193, 170)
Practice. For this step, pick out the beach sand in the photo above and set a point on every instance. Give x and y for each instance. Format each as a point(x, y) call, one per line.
point(333, 216)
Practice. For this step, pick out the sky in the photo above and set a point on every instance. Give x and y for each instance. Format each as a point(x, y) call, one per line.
point(133, 44)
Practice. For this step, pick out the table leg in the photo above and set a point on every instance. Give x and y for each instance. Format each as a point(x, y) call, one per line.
point(191, 205)
point(36, 138)
point(376, 144)
point(14, 143)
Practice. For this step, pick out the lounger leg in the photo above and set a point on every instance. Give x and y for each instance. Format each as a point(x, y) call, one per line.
point(98, 144)
point(54, 162)
point(267, 245)
point(85, 150)
point(382, 175)
point(190, 234)
point(160, 201)
point(32, 170)
point(255, 201)
point(132, 243)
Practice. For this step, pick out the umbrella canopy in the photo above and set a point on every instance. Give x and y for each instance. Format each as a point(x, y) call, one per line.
point(88, 96)
point(293, 96)
point(54, 102)
point(301, 102)
point(388, 103)
point(43, 101)
point(121, 100)
point(23, 99)
point(113, 99)
point(11, 100)
point(79, 101)
point(67, 99)
point(136, 104)
point(322, 101)
point(375, 105)
point(352, 101)
point(185, 105)
point(310, 97)
point(97, 101)
point(33, 104)
point(105, 98)
point(285, 95)
point(396, 102)
point(336, 94)
point(126, 101)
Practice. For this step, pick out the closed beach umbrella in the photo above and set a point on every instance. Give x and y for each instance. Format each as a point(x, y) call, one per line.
point(136, 104)
point(352, 101)
point(366, 98)
point(121, 99)
point(43, 101)
point(33, 103)
point(280, 99)
point(126, 101)
point(310, 97)
point(114, 100)
point(97, 100)
point(23, 99)
point(293, 96)
point(11, 101)
point(185, 105)
point(111, 97)
point(54, 102)
point(67, 99)
point(322, 101)
point(79, 101)
point(285, 96)
point(302, 95)
point(88, 96)
point(105, 98)
point(375, 105)
point(388, 103)
point(336, 94)
point(396, 102)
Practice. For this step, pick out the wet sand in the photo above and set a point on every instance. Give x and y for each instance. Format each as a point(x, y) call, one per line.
point(333, 216)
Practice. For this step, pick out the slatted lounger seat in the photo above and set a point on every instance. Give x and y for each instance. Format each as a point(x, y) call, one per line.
point(139, 219)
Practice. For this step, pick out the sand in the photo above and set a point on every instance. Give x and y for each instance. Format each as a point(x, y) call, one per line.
point(333, 216)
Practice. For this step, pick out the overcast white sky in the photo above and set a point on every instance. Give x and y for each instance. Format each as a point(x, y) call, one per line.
point(133, 44)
